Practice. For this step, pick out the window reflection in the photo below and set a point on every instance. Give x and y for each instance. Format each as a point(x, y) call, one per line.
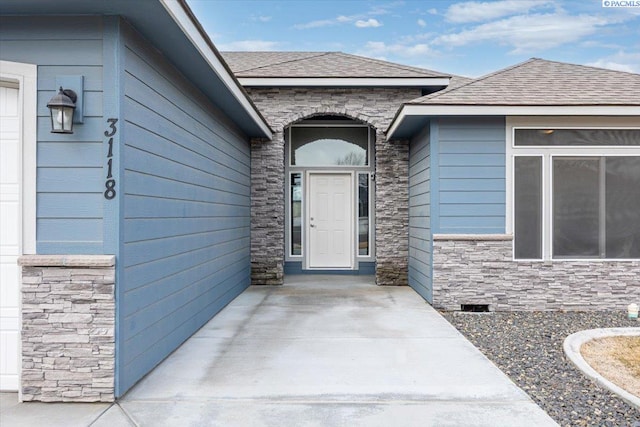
point(363, 214)
point(322, 146)
point(296, 213)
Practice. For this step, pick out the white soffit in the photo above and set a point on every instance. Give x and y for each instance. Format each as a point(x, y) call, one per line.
point(509, 110)
point(342, 82)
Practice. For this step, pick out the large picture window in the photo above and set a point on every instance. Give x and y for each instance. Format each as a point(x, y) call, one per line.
point(584, 206)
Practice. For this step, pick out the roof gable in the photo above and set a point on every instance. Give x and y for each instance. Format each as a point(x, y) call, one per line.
point(319, 65)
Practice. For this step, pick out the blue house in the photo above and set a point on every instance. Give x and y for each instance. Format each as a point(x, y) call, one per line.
point(133, 230)
point(191, 174)
point(525, 189)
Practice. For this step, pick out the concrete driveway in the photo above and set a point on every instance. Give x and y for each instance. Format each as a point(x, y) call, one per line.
point(325, 351)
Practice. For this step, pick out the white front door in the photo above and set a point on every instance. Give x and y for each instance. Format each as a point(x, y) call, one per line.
point(10, 235)
point(330, 220)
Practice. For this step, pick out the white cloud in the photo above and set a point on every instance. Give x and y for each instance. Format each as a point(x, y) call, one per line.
point(316, 24)
point(261, 18)
point(602, 63)
point(249, 45)
point(361, 20)
point(621, 61)
point(381, 49)
point(474, 11)
point(422, 23)
point(369, 23)
point(528, 32)
point(384, 9)
point(433, 11)
point(341, 19)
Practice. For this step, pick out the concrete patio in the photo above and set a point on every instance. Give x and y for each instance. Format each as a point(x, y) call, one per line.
point(319, 351)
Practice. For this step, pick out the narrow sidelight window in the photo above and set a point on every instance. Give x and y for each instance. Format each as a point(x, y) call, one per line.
point(296, 213)
point(528, 207)
point(363, 214)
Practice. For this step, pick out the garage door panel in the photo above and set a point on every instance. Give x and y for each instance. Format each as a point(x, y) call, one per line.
point(10, 234)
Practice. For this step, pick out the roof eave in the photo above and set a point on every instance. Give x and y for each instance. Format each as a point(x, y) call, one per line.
point(171, 27)
point(413, 82)
point(184, 18)
point(411, 116)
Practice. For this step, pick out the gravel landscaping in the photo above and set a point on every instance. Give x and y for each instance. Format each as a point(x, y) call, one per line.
point(527, 346)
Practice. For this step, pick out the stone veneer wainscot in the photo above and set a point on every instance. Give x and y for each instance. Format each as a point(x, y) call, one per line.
point(282, 107)
point(480, 269)
point(68, 320)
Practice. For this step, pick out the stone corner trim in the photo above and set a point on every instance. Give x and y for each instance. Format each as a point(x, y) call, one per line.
point(474, 237)
point(67, 260)
point(68, 328)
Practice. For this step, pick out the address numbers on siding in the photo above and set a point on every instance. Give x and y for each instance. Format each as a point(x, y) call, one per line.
point(110, 183)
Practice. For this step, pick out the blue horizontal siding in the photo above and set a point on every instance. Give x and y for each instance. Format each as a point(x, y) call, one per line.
point(168, 334)
point(177, 168)
point(186, 249)
point(419, 274)
point(53, 52)
point(61, 154)
point(157, 228)
point(474, 172)
point(471, 197)
point(69, 205)
point(162, 286)
point(70, 178)
point(159, 306)
point(72, 229)
point(471, 175)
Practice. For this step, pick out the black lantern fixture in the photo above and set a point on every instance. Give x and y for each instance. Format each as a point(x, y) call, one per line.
point(62, 107)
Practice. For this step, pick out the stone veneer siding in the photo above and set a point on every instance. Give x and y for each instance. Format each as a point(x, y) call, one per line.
point(479, 269)
point(68, 328)
point(284, 106)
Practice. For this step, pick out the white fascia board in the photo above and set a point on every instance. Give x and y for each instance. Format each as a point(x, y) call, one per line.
point(511, 110)
point(342, 82)
point(182, 19)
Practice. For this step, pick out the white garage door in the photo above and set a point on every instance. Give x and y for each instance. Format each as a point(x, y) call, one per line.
point(10, 235)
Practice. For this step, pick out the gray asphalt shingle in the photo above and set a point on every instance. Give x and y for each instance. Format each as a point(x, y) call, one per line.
point(319, 65)
point(543, 82)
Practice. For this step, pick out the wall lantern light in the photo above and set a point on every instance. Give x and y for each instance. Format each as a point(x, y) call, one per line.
point(62, 107)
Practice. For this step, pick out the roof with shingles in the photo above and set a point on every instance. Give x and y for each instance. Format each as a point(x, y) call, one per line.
point(542, 82)
point(319, 65)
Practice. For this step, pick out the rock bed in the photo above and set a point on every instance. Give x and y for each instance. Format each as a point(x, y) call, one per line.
point(527, 346)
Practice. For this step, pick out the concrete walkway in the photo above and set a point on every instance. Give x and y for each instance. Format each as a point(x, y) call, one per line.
point(320, 351)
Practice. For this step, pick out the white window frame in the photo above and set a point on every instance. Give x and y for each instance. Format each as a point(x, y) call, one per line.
point(548, 153)
point(329, 126)
point(368, 174)
point(364, 169)
point(25, 77)
point(289, 216)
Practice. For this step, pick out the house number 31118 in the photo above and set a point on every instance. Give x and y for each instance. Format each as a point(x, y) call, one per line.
point(110, 183)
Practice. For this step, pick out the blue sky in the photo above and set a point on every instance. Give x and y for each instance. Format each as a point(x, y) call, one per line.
point(458, 37)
